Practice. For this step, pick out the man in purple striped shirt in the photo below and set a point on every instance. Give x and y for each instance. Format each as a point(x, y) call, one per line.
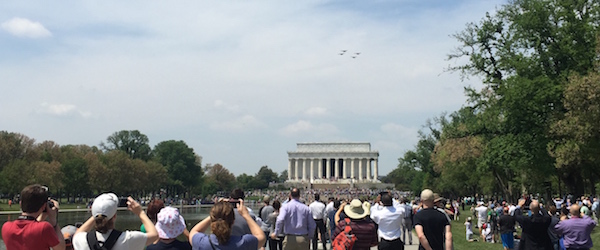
point(296, 222)
point(576, 230)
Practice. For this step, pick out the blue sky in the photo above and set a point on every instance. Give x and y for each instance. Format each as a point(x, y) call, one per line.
point(241, 82)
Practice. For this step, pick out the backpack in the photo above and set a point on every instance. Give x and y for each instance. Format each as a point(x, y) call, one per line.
point(108, 244)
point(344, 240)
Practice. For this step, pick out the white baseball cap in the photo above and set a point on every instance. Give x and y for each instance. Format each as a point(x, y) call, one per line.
point(106, 205)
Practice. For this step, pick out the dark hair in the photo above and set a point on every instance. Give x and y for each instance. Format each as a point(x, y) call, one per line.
point(295, 193)
point(386, 199)
point(33, 197)
point(336, 204)
point(237, 194)
point(276, 204)
point(317, 197)
point(221, 219)
point(154, 207)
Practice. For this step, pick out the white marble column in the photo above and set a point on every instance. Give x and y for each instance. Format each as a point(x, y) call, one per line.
point(289, 169)
point(368, 169)
point(337, 168)
point(352, 169)
point(320, 166)
point(328, 169)
point(304, 169)
point(296, 170)
point(375, 169)
point(312, 170)
point(345, 172)
point(360, 169)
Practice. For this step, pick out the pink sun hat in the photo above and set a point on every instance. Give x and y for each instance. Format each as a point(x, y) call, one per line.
point(169, 223)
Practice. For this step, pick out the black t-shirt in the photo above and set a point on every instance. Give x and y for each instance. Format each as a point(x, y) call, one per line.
point(507, 224)
point(174, 245)
point(434, 225)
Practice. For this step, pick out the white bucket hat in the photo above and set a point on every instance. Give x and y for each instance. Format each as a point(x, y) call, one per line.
point(169, 223)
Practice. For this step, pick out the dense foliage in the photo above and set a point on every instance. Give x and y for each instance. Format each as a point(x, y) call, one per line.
point(124, 164)
point(533, 127)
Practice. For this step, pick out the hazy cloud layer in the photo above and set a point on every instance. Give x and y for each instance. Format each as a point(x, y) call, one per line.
point(240, 82)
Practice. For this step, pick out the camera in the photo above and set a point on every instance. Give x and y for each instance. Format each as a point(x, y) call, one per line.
point(50, 204)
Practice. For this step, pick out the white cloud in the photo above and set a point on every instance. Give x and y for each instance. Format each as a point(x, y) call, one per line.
point(242, 123)
point(303, 127)
point(63, 110)
point(316, 111)
point(220, 104)
point(22, 27)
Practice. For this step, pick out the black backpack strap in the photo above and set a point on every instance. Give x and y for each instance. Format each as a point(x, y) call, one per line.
point(112, 239)
point(110, 242)
point(92, 240)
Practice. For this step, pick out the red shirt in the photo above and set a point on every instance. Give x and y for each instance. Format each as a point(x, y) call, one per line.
point(29, 235)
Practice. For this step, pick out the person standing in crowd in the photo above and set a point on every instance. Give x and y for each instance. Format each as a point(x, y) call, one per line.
point(329, 212)
point(221, 221)
point(240, 226)
point(31, 231)
point(296, 222)
point(169, 225)
point(104, 215)
point(277, 243)
point(507, 227)
point(407, 223)
point(388, 216)
point(154, 206)
point(535, 227)
point(317, 208)
point(431, 225)
point(264, 213)
point(481, 211)
point(577, 230)
point(331, 218)
point(356, 215)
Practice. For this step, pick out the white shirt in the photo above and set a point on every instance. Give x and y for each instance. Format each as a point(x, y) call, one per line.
point(511, 210)
point(317, 209)
point(389, 219)
point(329, 207)
point(127, 240)
point(481, 212)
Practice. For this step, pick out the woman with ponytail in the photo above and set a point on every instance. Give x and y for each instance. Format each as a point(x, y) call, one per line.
point(220, 220)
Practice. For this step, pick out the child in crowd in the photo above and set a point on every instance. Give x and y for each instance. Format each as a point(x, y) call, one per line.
point(469, 229)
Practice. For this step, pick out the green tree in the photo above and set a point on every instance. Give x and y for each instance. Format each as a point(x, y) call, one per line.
point(14, 146)
point(76, 177)
point(133, 143)
point(266, 175)
point(524, 53)
point(218, 179)
point(183, 166)
point(283, 176)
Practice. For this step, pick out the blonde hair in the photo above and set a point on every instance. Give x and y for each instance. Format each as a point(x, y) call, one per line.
point(221, 219)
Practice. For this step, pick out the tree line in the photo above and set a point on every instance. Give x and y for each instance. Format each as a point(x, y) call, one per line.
point(534, 126)
point(124, 163)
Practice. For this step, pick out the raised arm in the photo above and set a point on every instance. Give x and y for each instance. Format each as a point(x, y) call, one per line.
point(254, 227)
point(151, 232)
point(199, 228)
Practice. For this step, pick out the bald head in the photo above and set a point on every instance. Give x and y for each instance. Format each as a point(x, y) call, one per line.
point(574, 210)
point(534, 206)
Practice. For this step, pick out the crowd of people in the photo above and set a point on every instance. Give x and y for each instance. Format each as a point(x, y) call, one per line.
point(301, 219)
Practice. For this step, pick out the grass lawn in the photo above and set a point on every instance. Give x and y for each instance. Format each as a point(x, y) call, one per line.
point(460, 241)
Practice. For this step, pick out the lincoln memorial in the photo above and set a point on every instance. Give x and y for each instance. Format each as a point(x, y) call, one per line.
point(333, 163)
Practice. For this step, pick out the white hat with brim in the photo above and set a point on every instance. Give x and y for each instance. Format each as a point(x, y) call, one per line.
point(169, 223)
point(357, 210)
point(106, 205)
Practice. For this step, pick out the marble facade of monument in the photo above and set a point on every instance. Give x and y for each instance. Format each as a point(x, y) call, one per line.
point(327, 165)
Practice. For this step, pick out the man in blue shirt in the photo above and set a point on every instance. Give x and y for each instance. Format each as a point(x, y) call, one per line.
point(295, 221)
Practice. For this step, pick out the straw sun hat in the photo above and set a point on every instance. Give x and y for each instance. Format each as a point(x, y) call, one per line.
point(357, 210)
